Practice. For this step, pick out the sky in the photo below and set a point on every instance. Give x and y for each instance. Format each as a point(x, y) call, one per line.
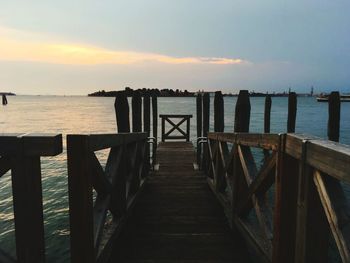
point(77, 47)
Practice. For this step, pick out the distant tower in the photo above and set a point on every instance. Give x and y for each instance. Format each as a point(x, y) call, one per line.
point(290, 89)
point(312, 91)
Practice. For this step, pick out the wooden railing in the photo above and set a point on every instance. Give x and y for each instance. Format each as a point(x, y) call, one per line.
point(289, 208)
point(175, 127)
point(21, 154)
point(117, 187)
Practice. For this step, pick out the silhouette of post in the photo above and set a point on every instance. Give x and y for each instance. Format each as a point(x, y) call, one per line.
point(121, 107)
point(136, 102)
point(292, 111)
point(242, 113)
point(334, 116)
point(218, 112)
point(267, 114)
point(199, 107)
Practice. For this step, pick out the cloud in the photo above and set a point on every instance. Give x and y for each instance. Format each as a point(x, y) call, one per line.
point(26, 46)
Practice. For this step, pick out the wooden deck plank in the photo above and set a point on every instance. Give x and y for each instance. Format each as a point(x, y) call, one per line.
point(177, 218)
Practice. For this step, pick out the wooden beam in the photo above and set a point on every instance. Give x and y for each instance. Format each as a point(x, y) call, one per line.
point(5, 165)
point(336, 209)
point(262, 182)
point(34, 144)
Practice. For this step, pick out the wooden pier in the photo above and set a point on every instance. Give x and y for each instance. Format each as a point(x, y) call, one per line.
point(226, 197)
point(178, 218)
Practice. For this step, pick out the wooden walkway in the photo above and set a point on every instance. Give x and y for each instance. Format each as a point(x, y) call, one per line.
point(177, 218)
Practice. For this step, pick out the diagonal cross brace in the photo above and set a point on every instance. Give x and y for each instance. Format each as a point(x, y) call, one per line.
point(175, 126)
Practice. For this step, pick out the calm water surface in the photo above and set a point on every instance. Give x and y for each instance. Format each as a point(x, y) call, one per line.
point(51, 114)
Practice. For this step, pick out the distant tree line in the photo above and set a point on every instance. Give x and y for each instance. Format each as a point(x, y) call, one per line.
point(159, 93)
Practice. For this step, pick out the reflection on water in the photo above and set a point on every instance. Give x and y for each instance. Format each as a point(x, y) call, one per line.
point(50, 114)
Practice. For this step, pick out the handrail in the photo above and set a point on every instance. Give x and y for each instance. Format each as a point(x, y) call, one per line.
point(295, 193)
point(21, 154)
point(117, 187)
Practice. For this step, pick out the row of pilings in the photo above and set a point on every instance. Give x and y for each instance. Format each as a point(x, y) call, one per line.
point(241, 118)
point(242, 113)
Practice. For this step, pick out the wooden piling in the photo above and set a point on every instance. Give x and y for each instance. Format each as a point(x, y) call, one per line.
point(267, 114)
point(206, 114)
point(146, 114)
point(199, 111)
point(334, 116)
point(136, 102)
point(242, 112)
point(292, 111)
point(199, 107)
point(218, 112)
point(242, 120)
point(147, 126)
point(121, 107)
point(206, 118)
point(154, 126)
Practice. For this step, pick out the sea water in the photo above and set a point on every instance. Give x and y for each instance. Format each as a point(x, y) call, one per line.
point(86, 115)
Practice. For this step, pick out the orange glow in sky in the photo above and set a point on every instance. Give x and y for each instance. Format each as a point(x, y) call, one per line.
point(16, 46)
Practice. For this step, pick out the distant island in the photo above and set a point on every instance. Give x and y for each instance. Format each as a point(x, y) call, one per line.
point(7, 94)
point(159, 93)
point(185, 93)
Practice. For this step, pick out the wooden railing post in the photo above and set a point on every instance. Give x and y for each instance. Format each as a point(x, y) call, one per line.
point(199, 107)
point(313, 228)
point(163, 129)
point(292, 111)
point(188, 127)
point(136, 102)
point(286, 190)
point(80, 200)
point(28, 207)
point(121, 106)
point(21, 154)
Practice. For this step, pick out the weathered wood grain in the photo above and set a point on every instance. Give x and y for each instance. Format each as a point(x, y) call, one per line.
point(177, 218)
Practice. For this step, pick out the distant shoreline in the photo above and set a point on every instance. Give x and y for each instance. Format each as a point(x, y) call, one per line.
point(180, 93)
point(7, 93)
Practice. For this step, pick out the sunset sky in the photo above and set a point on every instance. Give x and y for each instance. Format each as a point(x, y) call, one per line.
point(77, 47)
